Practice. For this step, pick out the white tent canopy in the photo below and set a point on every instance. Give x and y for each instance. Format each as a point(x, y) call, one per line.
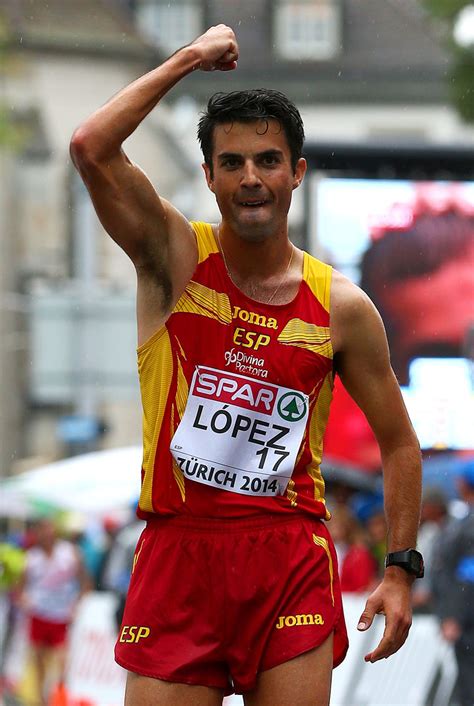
point(94, 483)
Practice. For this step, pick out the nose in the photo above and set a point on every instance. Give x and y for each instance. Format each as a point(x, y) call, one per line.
point(250, 175)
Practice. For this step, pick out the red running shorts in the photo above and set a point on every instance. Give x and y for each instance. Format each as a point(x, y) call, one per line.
point(214, 603)
point(45, 633)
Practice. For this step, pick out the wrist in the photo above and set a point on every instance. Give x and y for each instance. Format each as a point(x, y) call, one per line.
point(397, 573)
point(410, 560)
point(189, 58)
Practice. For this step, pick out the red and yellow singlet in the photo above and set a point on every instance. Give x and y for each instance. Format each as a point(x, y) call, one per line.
point(236, 397)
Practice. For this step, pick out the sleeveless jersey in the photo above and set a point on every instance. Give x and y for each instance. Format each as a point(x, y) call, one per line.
point(52, 583)
point(236, 397)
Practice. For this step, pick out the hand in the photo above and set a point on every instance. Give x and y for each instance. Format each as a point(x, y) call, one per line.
point(218, 49)
point(392, 598)
point(451, 630)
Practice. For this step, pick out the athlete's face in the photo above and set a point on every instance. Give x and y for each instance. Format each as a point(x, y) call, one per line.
point(252, 177)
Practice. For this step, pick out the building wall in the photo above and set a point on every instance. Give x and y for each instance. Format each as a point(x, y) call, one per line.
point(11, 330)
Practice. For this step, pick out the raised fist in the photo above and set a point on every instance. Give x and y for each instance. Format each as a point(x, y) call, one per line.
point(218, 49)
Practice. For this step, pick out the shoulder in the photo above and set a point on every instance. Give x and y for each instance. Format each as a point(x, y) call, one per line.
point(347, 299)
point(352, 312)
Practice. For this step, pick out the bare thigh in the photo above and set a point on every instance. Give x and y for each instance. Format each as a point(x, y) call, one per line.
point(302, 681)
point(143, 691)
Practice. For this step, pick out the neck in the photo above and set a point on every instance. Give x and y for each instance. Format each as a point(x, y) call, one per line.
point(268, 272)
point(259, 258)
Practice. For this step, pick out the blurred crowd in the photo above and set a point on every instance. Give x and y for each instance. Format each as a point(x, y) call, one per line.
point(48, 565)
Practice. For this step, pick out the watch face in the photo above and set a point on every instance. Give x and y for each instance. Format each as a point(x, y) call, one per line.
point(410, 560)
point(417, 563)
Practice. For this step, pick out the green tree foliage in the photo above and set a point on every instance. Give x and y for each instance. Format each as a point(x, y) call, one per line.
point(10, 136)
point(461, 78)
point(446, 9)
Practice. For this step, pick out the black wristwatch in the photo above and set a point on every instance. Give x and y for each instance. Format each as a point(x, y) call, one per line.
point(408, 559)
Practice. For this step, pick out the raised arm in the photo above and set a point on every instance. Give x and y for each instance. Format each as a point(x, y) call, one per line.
point(362, 360)
point(158, 239)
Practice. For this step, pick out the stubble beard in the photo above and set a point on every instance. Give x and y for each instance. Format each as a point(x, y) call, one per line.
point(257, 231)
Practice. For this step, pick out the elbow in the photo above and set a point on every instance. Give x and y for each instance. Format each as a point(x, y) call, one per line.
point(82, 149)
point(79, 148)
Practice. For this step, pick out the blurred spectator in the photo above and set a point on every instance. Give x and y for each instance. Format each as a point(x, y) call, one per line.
point(453, 586)
point(377, 537)
point(357, 566)
point(434, 516)
point(53, 580)
point(369, 510)
point(12, 563)
point(118, 564)
point(110, 529)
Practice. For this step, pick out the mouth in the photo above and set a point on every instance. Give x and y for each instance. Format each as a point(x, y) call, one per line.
point(253, 203)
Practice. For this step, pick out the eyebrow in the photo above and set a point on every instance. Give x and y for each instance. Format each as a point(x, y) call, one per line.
point(265, 153)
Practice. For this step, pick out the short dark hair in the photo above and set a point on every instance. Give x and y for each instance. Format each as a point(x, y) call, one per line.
point(247, 106)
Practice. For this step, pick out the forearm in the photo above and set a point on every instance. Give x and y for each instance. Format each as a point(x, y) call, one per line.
point(402, 492)
point(102, 134)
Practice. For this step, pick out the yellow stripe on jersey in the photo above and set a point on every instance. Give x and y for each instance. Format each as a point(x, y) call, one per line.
point(155, 367)
point(179, 478)
point(323, 542)
point(177, 472)
point(291, 493)
point(317, 425)
point(206, 241)
point(317, 276)
point(182, 391)
point(309, 336)
point(198, 299)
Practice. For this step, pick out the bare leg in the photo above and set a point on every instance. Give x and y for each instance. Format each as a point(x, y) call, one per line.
point(302, 681)
point(61, 659)
point(40, 663)
point(143, 691)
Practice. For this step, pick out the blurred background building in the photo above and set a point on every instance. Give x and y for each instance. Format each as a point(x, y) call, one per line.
point(386, 91)
point(360, 70)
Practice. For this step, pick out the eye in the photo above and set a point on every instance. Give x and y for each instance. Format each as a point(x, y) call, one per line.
point(230, 162)
point(269, 160)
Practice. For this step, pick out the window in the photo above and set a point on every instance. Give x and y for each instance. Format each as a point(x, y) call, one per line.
point(307, 29)
point(170, 25)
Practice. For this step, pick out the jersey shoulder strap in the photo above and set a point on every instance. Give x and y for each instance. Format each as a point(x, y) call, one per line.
point(206, 241)
point(317, 276)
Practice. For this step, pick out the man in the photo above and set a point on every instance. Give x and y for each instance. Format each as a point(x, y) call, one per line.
point(453, 585)
point(235, 585)
point(53, 581)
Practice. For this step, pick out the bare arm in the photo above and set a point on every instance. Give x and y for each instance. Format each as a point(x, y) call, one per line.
point(362, 360)
point(158, 239)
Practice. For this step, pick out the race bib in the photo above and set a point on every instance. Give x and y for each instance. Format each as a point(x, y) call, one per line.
point(239, 434)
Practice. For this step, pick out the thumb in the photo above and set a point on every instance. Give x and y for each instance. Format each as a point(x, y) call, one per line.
point(367, 617)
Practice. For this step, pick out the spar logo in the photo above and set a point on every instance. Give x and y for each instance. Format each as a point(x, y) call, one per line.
point(292, 406)
point(234, 389)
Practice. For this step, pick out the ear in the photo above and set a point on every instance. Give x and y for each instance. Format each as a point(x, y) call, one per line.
point(300, 171)
point(209, 179)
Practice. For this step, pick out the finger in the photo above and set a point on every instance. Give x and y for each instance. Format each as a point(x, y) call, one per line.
point(394, 636)
point(230, 55)
point(367, 617)
point(226, 66)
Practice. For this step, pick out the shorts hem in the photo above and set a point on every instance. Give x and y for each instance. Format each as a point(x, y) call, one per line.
point(189, 682)
point(302, 649)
